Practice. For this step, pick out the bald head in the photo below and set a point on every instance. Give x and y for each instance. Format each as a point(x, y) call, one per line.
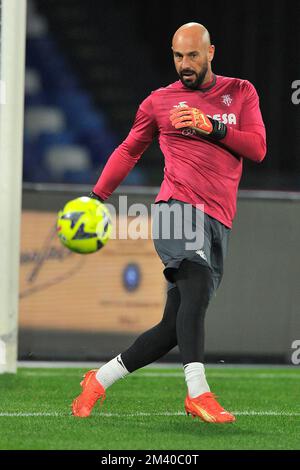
point(193, 54)
point(195, 33)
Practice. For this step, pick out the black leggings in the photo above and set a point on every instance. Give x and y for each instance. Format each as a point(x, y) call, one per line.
point(182, 323)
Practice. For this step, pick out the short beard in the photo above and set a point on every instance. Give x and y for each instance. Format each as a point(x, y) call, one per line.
point(199, 79)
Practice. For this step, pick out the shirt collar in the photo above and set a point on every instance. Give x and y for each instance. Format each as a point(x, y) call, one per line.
point(208, 86)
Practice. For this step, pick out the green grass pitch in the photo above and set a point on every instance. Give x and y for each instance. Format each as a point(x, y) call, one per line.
point(145, 411)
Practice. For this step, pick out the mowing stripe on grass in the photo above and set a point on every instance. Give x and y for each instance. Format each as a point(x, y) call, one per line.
point(137, 415)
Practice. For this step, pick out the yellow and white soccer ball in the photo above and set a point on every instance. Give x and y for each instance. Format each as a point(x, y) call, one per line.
point(84, 225)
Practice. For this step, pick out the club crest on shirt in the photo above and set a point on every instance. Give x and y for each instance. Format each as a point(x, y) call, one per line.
point(227, 100)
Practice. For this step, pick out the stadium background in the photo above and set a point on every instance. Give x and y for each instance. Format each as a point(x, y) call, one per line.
point(88, 65)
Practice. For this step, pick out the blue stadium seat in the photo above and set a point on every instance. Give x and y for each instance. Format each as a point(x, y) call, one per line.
point(40, 119)
point(81, 177)
point(59, 159)
point(47, 140)
point(101, 144)
point(73, 99)
point(39, 99)
point(87, 120)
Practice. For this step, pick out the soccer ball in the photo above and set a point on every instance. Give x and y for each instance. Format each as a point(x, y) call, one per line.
point(84, 225)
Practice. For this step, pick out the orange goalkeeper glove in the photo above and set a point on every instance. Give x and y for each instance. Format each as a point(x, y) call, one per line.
point(196, 119)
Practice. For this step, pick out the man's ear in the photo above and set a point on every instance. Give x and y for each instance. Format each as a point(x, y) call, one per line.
point(211, 53)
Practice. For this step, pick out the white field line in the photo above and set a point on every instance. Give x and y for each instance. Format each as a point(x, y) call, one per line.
point(137, 415)
point(212, 374)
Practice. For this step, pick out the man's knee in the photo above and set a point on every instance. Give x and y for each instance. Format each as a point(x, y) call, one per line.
point(195, 282)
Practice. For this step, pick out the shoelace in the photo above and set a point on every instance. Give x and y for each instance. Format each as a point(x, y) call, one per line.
point(211, 403)
point(93, 396)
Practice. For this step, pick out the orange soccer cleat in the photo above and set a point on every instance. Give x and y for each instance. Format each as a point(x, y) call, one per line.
point(207, 408)
point(92, 390)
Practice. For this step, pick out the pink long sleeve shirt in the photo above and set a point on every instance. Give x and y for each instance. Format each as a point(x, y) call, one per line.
point(198, 170)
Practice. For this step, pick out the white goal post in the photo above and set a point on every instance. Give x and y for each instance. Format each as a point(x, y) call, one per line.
point(12, 66)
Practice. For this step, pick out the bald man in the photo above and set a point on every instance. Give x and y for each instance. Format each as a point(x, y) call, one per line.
point(207, 125)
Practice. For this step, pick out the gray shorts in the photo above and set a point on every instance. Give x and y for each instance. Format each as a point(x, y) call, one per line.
point(208, 249)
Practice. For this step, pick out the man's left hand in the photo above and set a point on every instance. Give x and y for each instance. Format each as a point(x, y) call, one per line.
point(192, 118)
point(195, 119)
